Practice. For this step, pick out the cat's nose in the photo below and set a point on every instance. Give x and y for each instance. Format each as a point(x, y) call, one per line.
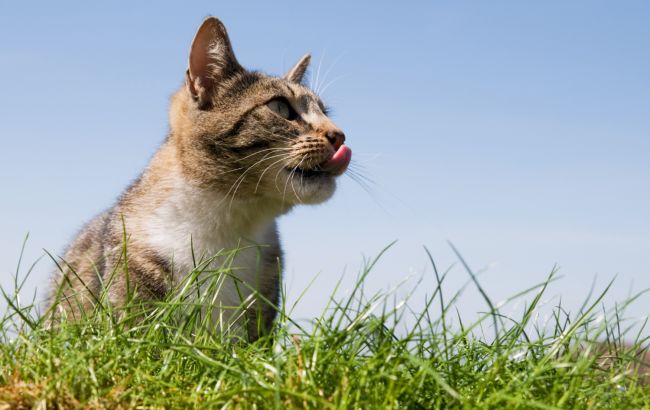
point(336, 138)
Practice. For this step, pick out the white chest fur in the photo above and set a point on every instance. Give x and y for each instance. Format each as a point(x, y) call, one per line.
point(192, 225)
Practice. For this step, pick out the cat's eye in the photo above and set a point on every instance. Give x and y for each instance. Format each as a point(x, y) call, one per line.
point(282, 107)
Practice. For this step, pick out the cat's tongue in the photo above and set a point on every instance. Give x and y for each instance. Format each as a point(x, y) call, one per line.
point(339, 161)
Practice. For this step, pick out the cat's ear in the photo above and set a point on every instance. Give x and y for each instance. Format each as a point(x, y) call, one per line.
point(211, 60)
point(297, 73)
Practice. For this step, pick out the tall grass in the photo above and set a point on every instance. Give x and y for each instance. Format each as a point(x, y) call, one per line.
point(363, 351)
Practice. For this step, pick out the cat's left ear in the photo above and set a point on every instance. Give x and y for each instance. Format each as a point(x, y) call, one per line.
point(211, 60)
point(297, 73)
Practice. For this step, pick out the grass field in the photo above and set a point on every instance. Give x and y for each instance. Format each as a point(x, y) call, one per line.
point(364, 351)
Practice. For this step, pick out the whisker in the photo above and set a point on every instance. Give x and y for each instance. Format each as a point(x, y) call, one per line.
point(369, 156)
point(320, 62)
point(248, 156)
point(361, 176)
point(326, 86)
point(368, 185)
point(364, 186)
point(265, 150)
point(277, 174)
point(290, 178)
point(241, 177)
point(269, 167)
point(336, 60)
point(255, 153)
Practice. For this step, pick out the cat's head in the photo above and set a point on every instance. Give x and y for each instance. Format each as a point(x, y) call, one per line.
point(250, 135)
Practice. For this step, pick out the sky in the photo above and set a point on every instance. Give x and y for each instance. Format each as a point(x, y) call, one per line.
point(518, 131)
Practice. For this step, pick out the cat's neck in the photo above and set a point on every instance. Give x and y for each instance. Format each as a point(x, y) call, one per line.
point(171, 215)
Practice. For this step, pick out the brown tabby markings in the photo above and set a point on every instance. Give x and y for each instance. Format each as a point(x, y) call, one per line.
point(229, 166)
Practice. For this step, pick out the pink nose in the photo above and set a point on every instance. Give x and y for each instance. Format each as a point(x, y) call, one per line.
point(336, 138)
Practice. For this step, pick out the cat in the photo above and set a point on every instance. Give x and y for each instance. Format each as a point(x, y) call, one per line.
point(243, 149)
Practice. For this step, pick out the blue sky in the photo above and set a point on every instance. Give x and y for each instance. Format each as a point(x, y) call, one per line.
point(518, 131)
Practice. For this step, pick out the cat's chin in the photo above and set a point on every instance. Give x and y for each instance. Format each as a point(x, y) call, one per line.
point(312, 189)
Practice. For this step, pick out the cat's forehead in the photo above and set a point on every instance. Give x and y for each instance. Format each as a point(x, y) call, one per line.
point(303, 97)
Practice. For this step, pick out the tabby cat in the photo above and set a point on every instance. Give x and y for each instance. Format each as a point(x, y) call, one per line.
point(243, 148)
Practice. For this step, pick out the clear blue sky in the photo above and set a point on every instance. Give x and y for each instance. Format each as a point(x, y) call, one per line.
point(518, 131)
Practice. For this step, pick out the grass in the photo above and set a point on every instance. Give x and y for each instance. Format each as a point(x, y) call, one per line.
point(364, 351)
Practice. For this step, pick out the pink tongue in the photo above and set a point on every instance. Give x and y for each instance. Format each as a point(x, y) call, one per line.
point(339, 161)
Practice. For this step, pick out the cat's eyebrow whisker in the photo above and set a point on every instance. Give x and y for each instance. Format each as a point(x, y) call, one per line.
point(320, 63)
point(321, 92)
point(336, 60)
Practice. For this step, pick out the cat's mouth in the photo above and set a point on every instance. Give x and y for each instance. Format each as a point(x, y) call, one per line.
point(334, 166)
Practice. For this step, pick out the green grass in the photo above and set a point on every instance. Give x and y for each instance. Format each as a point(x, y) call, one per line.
point(364, 351)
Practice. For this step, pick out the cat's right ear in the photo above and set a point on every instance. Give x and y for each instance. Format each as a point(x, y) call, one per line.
point(211, 60)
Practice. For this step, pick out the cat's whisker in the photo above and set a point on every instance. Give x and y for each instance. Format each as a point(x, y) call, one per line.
point(258, 152)
point(320, 63)
point(362, 178)
point(357, 167)
point(321, 91)
point(253, 154)
point(363, 186)
point(269, 167)
point(267, 157)
point(359, 174)
point(265, 150)
point(277, 174)
point(290, 178)
point(241, 177)
point(336, 60)
point(366, 184)
point(367, 157)
point(302, 179)
point(302, 176)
